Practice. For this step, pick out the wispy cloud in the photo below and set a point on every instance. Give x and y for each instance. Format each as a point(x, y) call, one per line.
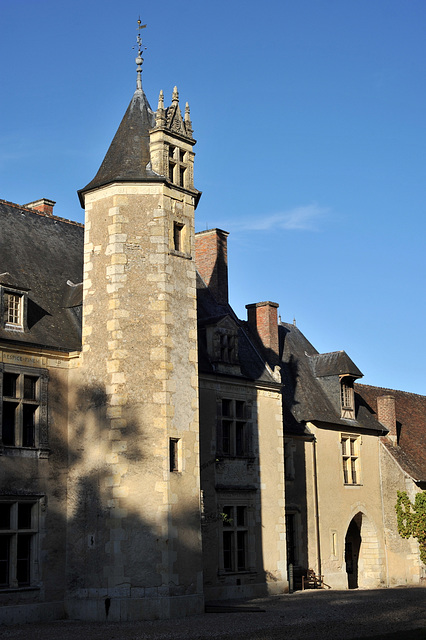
point(304, 218)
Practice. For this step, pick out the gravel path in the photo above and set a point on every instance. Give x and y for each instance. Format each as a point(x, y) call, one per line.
point(332, 615)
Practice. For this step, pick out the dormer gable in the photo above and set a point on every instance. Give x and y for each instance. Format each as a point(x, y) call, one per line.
point(336, 373)
point(222, 345)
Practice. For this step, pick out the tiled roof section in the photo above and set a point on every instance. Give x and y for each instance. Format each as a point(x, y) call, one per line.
point(209, 312)
point(305, 399)
point(335, 363)
point(39, 253)
point(410, 411)
point(128, 157)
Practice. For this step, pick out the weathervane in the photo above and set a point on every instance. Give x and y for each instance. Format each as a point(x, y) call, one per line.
point(139, 59)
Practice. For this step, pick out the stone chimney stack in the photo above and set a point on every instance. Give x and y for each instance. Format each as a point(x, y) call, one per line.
point(44, 205)
point(263, 318)
point(211, 258)
point(387, 415)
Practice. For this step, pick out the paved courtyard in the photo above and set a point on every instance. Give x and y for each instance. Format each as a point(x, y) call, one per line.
point(332, 615)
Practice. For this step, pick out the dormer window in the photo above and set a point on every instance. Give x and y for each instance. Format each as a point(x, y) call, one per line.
point(347, 398)
point(225, 345)
point(13, 309)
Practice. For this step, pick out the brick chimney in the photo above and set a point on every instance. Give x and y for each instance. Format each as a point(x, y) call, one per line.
point(211, 258)
point(387, 415)
point(263, 318)
point(44, 205)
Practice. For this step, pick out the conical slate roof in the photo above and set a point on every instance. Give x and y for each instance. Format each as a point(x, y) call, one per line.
point(128, 158)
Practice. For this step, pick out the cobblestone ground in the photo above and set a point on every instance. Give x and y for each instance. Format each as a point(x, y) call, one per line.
point(333, 615)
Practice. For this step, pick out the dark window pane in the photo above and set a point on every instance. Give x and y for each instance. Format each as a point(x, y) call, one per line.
point(227, 408)
point(173, 454)
point(228, 544)
point(227, 516)
point(181, 155)
point(171, 170)
point(226, 437)
point(24, 515)
point(30, 387)
point(23, 559)
point(4, 561)
point(171, 152)
point(240, 438)
point(4, 515)
point(28, 425)
point(8, 424)
point(241, 516)
point(181, 176)
point(239, 409)
point(177, 236)
point(9, 384)
point(241, 550)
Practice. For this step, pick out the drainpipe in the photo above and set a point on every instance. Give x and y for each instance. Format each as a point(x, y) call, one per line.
point(316, 510)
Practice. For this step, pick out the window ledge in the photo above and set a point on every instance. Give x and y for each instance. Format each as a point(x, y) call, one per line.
point(353, 484)
point(13, 327)
point(17, 589)
point(245, 572)
point(180, 254)
point(24, 452)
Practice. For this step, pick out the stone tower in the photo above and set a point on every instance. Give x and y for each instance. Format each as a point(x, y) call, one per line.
point(134, 548)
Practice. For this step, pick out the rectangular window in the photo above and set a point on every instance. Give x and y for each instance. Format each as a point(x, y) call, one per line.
point(178, 236)
point(235, 427)
point(350, 458)
point(21, 408)
point(18, 528)
point(347, 399)
point(234, 538)
point(13, 309)
point(174, 454)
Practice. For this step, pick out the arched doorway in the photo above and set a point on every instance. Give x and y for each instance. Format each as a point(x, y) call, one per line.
point(352, 548)
point(364, 557)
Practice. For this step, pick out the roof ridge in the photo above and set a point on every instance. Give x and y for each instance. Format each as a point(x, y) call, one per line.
point(40, 213)
point(372, 386)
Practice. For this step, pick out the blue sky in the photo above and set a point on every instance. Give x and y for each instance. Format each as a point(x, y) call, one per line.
point(310, 121)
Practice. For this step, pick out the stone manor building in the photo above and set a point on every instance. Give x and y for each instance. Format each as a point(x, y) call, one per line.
point(156, 451)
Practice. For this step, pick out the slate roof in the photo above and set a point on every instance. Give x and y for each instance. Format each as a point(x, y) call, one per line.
point(305, 397)
point(39, 253)
point(128, 158)
point(410, 408)
point(209, 312)
point(335, 363)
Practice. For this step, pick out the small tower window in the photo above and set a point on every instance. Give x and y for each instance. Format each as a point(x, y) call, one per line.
point(181, 176)
point(178, 236)
point(174, 454)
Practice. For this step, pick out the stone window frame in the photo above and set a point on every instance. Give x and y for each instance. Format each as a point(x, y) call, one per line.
point(350, 446)
point(41, 440)
point(178, 165)
point(235, 500)
point(225, 345)
point(19, 537)
point(234, 431)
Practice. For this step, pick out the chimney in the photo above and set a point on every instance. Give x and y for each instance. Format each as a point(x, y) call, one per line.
point(263, 318)
point(387, 415)
point(44, 205)
point(211, 258)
